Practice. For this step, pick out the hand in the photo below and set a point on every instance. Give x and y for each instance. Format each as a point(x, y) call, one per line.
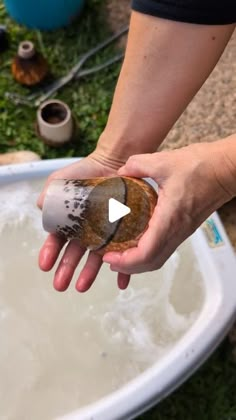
point(87, 168)
point(191, 184)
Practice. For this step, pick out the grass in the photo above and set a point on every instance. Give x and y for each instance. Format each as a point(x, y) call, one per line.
point(89, 99)
point(211, 393)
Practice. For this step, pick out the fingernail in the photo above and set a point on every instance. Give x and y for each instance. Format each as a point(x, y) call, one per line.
point(81, 286)
point(123, 286)
point(112, 259)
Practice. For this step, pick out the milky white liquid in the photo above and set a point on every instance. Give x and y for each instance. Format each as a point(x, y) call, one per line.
point(60, 351)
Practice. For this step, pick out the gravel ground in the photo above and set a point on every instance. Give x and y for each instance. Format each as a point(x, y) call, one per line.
point(212, 113)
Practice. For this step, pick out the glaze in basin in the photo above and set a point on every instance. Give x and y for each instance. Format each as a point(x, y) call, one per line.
point(214, 312)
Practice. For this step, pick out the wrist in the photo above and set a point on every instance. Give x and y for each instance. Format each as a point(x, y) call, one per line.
point(113, 150)
point(115, 145)
point(227, 151)
point(107, 154)
point(223, 159)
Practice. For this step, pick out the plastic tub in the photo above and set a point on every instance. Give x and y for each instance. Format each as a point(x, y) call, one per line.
point(216, 260)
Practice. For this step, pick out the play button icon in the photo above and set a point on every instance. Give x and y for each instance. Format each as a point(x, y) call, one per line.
point(117, 210)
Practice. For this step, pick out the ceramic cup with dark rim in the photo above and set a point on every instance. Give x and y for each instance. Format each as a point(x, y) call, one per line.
point(55, 123)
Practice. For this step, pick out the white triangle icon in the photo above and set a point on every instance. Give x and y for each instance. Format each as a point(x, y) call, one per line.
point(117, 210)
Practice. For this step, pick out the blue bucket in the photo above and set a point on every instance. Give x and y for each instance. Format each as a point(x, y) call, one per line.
point(44, 14)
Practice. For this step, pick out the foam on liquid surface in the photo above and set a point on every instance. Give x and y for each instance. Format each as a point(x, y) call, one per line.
point(60, 351)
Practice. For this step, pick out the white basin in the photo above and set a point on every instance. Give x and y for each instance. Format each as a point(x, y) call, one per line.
point(152, 349)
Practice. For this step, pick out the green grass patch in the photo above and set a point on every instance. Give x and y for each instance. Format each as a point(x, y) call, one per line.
point(90, 98)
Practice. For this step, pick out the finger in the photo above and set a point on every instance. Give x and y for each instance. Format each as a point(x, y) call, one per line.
point(140, 166)
point(66, 268)
point(42, 194)
point(123, 281)
point(89, 272)
point(158, 258)
point(135, 269)
point(170, 247)
point(134, 260)
point(50, 251)
point(156, 264)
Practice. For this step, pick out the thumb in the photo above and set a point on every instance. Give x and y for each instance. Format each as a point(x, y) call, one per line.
point(40, 199)
point(140, 166)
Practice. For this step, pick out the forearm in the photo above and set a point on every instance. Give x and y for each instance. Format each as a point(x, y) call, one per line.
point(166, 63)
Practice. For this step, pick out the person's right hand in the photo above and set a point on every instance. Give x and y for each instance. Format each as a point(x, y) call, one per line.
point(88, 167)
point(193, 182)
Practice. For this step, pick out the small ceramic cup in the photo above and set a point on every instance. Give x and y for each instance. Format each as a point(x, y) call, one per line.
point(26, 50)
point(55, 123)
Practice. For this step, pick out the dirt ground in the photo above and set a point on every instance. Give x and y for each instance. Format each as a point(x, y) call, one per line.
point(118, 13)
point(210, 116)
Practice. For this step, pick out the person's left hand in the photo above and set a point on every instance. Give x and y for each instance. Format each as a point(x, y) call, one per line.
point(88, 167)
point(191, 184)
